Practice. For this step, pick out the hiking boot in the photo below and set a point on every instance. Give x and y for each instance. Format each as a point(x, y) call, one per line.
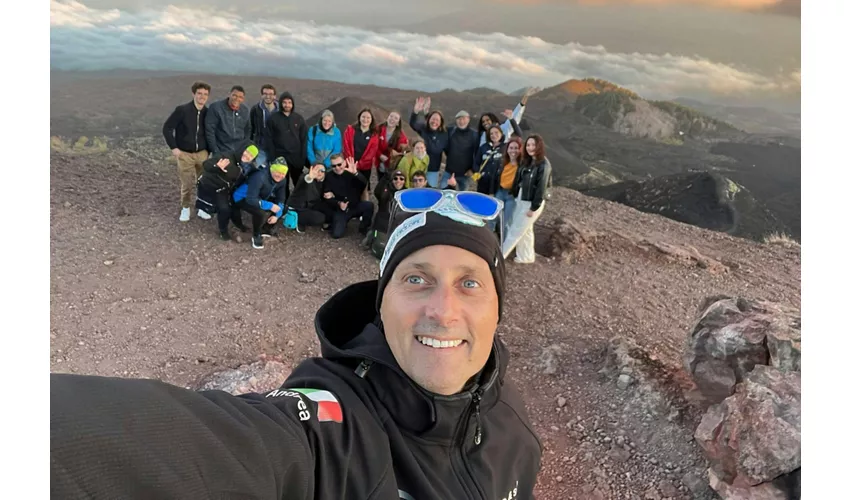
point(241, 227)
point(257, 242)
point(184, 215)
point(225, 236)
point(204, 215)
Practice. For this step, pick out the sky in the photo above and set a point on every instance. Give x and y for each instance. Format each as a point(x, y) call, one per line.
point(737, 52)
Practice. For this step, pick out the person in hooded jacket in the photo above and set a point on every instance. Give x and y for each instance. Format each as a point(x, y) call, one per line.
point(488, 161)
point(306, 199)
point(263, 197)
point(529, 191)
point(288, 133)
point(411, 398)
point(432, 127)
point(415, 160)
point(222, 174)
point(323, 140)
point(360, 144)
point(392, 143)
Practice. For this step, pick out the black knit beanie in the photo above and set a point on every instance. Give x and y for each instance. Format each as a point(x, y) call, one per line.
point(417, 231)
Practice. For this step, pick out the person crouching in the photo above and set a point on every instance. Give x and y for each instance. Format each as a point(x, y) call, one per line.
point(222, 174)
point(262, 195)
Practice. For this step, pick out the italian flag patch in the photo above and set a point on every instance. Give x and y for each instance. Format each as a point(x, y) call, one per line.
point(329, 408)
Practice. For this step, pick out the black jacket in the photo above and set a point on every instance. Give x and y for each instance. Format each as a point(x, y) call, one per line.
point(289, 135)
point(534, 180)
point(226, 128)
point(185, 128)
point(345, 187)
point(460, 152)
point(435, 142)
point(306, 194)
point(348, 425)
point(259, 128)
point(488, 162)
point(385, 194)
point(214, 179)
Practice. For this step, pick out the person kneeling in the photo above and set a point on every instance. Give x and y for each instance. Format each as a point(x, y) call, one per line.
point(222, 173)
point(262, 196)
point(385, 192)
point(306, 199)
point(341, 192)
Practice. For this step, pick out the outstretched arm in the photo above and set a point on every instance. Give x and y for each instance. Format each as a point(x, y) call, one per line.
point(123, 438)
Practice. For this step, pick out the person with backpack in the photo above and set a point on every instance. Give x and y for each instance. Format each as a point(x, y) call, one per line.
point(432, 127)
point(222, 174)
point(392, 142)
point(529, 191)
point(460, 152)
point(306, 200)
point(323, 140)
point(262, 196)
point(360, 144)
point(413, 161)
point(385, 191)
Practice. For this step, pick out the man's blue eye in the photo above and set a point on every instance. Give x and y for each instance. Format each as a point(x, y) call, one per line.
point(415, 280)
point(470, 284)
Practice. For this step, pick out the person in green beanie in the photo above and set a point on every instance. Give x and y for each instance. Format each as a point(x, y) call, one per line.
point(221, 175)
point(263, 196)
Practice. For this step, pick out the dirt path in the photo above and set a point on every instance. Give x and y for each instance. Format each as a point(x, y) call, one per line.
point(135, 293)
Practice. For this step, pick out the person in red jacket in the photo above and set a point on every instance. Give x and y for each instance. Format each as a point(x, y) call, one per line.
point(391, 144)
point(360, 143)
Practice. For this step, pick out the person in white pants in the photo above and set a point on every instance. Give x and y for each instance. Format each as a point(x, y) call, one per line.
point(529, 189)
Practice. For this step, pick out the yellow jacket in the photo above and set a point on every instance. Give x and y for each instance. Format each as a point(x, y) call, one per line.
point(409, 164)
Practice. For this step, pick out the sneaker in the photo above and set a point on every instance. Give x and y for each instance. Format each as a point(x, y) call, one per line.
point(204, 215)
point(257, 242)
point(299, 229)
point(225, 236)
point(326, 226)
point(184, 215)
point(523, 261)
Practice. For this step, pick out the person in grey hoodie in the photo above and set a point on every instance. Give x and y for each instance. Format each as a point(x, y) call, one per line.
point(228, 122)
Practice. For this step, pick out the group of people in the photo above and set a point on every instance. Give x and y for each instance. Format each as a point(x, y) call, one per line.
point(267, 162)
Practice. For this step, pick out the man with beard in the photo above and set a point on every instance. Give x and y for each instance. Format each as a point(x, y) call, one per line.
point(342, 189)
point(260, 115)
point(412, 396)
point(228, 122)
point(185, 134)
point(288, 134)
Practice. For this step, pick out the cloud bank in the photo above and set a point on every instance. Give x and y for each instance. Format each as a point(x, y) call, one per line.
point(190, 40)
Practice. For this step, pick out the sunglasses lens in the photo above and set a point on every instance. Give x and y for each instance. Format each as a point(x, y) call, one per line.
point(479, 204)
point(419, 199)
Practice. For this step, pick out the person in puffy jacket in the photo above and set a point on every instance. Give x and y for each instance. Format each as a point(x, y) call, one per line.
point(412, 397)
point(223, 173)
point(263, 197)
point(360, 144)
point(432, 127)
point(228, 122)
point(415, 160)
point(529, 191)
point(323, 140)
point(392, 142)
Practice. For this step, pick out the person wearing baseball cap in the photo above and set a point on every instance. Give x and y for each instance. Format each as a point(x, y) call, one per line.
point(460, 153)
point(411, 397)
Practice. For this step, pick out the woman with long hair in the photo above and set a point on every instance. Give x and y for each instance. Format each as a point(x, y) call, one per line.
point(360, 143)
point(529, 191)
point(488, 160)
point(391, 144)
point(323, 140)
point(432, 127)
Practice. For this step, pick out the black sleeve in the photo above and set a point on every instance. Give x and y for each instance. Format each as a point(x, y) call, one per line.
point(542, 182)
point(517, 130)
point(304, 141)
point(210, 127)
point(170, 126)
point(124, 438)
point(417, 122)
point(252, 118)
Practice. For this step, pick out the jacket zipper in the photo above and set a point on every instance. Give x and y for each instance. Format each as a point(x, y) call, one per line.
point(475, 412)
point(197, 129)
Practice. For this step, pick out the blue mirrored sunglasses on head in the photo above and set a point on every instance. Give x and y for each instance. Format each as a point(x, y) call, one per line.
point(468, 202)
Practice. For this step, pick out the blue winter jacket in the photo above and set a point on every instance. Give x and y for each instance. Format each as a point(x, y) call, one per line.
point(321, 145)
point(262, 191)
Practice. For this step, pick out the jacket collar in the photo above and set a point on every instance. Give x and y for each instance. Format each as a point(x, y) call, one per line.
point(348, 331)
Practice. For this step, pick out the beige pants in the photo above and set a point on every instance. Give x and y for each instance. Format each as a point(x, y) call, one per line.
point(188, 170)
point(521, 231)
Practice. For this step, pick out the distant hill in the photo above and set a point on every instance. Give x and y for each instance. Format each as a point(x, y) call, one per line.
point(701, 199)
point(346, 110)
point(485, 91)
point(570, 90)
point(755, 120)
